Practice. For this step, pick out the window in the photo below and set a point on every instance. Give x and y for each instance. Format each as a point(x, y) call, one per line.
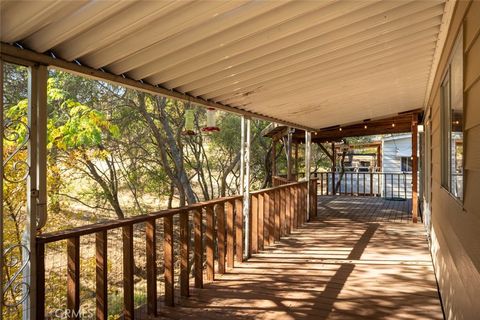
point(406, 164)
point(452, 124)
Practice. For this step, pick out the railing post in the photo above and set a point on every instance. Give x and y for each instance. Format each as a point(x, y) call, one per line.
point(101, 275)
point(209, 242)
point(128, 262)
point(198, 254)
point(220, 218)
point(73, 277)
point(151, 252)
point(184, 254)
point(230, 234)
point(239, 230)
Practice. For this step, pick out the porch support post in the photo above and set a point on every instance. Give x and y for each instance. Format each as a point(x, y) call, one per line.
point(274, 156)
point(245, 170)
point(36, 181)
point(334, 167)
point(308, 142)
point(289, 154)
point(414, 168)
point(296, 160)
point(1, 187)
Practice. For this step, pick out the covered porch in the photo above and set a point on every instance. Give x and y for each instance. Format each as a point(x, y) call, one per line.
point(292, 249)
point(358, 258)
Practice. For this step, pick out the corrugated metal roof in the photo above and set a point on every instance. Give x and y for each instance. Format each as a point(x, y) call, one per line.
point(314, 63)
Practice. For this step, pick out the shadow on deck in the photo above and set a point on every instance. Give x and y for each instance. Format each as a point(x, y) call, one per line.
point(360, 258)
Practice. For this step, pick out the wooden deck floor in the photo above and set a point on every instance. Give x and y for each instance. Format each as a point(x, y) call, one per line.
point(360, 259)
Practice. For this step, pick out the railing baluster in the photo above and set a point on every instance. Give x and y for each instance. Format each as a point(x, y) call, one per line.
point(101, 257)
point(254, 230)
point(220, 218)
point(283, 212)
point(271, 218)
point(364, 185)
point(327, 184)
point(198, 254)
point(40, 293)
point(73, 276)
point(239, 230)
point(371, 183)
point(230, 234)
point(168, 258)
point(128, 263)
point(351, 184)
point(288, 208)
point(151, 252)
point(321, 183)
point(261, 220)
point(184, 254)
point(276, 231)
point(209, 242)
point(358, 183)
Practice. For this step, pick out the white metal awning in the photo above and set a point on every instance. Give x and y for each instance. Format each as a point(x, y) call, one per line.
point(311, 63)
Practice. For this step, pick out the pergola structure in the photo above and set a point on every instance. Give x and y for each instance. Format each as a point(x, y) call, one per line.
point(329, 68)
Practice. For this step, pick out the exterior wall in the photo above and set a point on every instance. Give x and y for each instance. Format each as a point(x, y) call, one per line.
point(455, 226)
point(392, 163)
point(391, 158)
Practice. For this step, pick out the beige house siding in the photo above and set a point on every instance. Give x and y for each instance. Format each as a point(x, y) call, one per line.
point(455, 236)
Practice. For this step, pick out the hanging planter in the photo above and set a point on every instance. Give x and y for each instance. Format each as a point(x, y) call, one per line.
point(211, 121)
point(189, 123)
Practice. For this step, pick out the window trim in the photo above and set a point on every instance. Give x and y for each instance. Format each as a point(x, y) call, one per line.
point(445, 122)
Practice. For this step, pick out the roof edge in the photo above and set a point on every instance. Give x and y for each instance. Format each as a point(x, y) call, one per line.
point(16, 55)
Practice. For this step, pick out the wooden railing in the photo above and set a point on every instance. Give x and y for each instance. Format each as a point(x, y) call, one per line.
point(218, 224)
point(385, 184)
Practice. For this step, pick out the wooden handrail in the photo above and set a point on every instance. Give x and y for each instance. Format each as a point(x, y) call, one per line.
point(114, 224)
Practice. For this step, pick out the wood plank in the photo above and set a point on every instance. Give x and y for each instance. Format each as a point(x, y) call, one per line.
point(40, 281)
point(261, 220)
point(169, 260)
point(73, 276)
point(220, 218)
point(276, 213)
point(128, 267)
point(283, 211)
point(101, 274)
point(184, 254)
point(230, 234)
point(414, 169)
point(331, 265)
point(288, 212)
point(239, 230)
point(198, 243)
point(254, 230)
point(266, 212)
point(210, 242)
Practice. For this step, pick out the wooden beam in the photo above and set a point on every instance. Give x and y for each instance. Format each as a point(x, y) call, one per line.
point(414, 169)
point(17, 55)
